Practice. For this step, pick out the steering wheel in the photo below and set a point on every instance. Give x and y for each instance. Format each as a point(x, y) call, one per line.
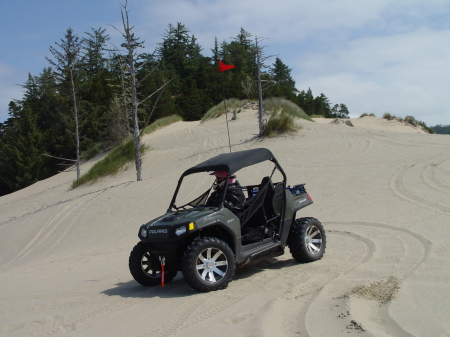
point(234, 204)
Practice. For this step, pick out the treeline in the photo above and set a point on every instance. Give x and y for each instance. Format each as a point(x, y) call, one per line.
point(441, 129)
point(41, 126)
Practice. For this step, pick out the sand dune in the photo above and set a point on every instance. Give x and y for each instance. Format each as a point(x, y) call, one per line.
point(381, 189)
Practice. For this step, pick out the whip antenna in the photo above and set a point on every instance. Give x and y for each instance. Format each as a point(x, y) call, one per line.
point(222, 68)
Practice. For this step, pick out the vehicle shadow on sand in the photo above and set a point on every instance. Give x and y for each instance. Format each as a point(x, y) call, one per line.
point(179, 288)
point(131, 289)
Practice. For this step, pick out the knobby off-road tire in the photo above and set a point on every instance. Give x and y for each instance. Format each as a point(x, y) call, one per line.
point(307, 240)
point(146, 268)
point(208, 264)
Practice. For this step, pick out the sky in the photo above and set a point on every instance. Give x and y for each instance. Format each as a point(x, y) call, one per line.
point(375, 56)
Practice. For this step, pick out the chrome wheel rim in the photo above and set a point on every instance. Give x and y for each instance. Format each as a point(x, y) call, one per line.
point(150, 266)
point(212, 265)
point(313, 239)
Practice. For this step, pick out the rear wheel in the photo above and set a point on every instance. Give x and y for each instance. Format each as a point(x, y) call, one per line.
point(307, 240)
point(208, 264)
point(146, 267)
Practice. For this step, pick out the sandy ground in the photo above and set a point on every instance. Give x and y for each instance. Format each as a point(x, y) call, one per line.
point(381, 189)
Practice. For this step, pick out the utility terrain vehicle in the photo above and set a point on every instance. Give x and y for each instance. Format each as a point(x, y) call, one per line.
point(208, 241)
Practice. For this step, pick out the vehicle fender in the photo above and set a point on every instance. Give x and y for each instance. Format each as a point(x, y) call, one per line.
point(222, 231)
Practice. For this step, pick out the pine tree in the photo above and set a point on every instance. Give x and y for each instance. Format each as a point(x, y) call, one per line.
point(93, 48)
point(322, 106)
point(21, 158)
point(307, 102)
point(96, 92)
point(67, 63)
point(285, 84)
point(343, 111)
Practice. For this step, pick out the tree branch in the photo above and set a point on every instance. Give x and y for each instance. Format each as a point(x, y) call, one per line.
point(155, 92)
point(47, 155)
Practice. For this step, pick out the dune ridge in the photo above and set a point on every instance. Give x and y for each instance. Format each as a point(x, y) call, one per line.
point(381, 190)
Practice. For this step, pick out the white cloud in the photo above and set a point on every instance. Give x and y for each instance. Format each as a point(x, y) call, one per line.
point(283, 20)
point(404, 74)
point(375, 56)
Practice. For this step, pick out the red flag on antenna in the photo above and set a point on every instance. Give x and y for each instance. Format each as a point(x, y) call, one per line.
point(223, 66)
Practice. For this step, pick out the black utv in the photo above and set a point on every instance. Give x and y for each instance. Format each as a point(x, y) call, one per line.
point(207, 240)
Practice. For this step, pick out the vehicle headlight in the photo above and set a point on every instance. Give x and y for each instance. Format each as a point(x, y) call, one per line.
point(143, 232)
point(180, 230)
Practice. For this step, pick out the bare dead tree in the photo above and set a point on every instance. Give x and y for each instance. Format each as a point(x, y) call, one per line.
point(130, 52)
point(121, 102)
point(260, 58)
point(247, 85)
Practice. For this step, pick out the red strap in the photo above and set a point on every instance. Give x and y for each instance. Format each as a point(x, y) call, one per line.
point(162, 274)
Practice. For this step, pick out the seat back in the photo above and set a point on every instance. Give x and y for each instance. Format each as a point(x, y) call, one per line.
point(277, 199)
point(269, 194)
point(257, 203)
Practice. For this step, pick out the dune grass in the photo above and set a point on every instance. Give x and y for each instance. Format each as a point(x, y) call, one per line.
point(366, 114)
point(280, 124)
point(282, 117)
point(285, 107)
point(110, 164)
point(219, 109)
point(94, 150)
point(409, 120)
point(282, 114)
point(162, 122)
point(121, 155)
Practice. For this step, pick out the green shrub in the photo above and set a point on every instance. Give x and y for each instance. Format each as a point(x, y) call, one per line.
point(283, 114)
point(279, 124)
point(425, 127)
point(366, 114)
point(410, 120)
point(388, 116)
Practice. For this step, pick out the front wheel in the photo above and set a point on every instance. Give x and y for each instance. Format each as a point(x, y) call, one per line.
point(208, 264)
point(307, 240)
point(146, 267)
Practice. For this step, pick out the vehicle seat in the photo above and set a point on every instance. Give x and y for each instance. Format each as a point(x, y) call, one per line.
point(268, 200)
point(277, 199)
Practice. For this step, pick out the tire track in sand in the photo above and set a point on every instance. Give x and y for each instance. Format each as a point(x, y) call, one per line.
point(429, 177)
point(377, 251)
point(201, 307)
point(63, 211)
point(398, 186)
point(395, 254)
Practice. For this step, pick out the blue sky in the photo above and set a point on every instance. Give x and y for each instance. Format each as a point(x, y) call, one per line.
point(375, 56)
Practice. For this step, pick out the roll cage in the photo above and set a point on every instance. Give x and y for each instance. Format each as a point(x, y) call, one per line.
point(230, 163)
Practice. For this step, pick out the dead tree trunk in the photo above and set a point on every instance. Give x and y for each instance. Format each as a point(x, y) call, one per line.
point(132, 44)
point(134, 109)
point(260, 59)
point(260, 104)
point(77, 136)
